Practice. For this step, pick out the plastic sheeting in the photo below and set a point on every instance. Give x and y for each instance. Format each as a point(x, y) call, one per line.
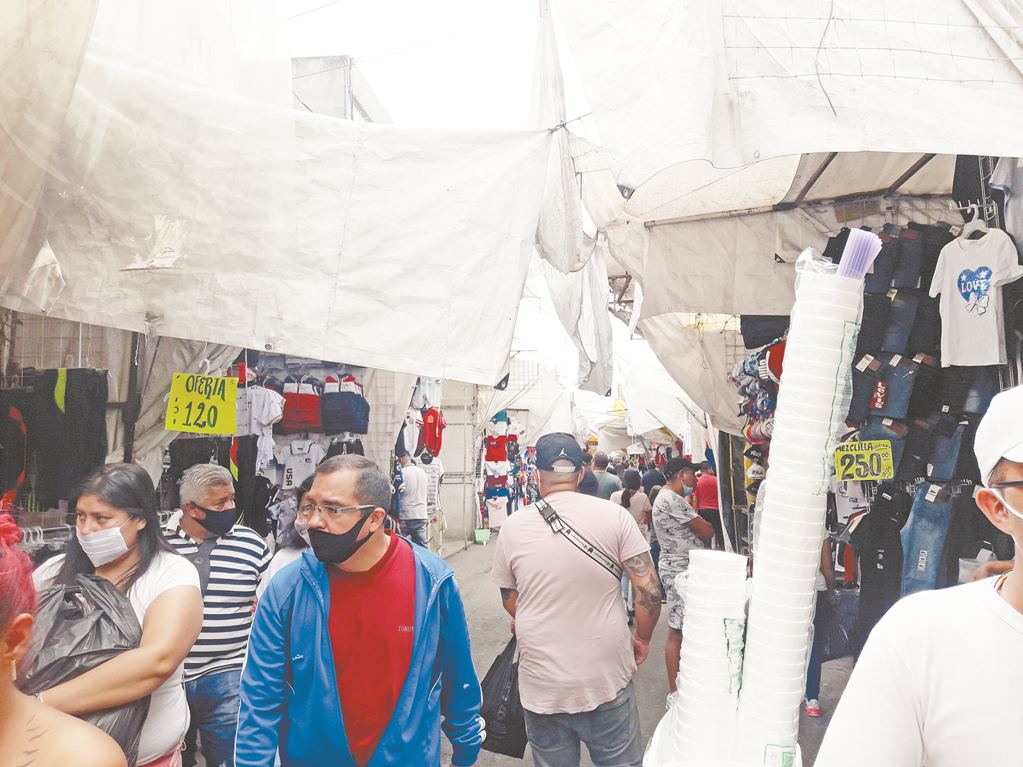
point(739, 81)
point(195, 213)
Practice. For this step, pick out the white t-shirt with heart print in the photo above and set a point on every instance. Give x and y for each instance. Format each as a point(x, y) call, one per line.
point(969, 276)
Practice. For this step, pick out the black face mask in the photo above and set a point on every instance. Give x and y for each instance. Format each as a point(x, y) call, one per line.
point(217, 522)
point(335, 548)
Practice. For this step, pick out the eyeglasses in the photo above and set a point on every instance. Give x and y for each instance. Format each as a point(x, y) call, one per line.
point(1000, 485)
point(306, 509)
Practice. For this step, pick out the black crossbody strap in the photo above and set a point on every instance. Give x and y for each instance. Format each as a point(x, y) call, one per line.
point(559, 525)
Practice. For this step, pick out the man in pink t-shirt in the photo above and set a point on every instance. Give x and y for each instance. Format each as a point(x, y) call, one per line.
point(577, 655)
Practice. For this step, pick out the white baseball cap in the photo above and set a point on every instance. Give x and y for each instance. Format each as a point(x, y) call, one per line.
point(1000, 434)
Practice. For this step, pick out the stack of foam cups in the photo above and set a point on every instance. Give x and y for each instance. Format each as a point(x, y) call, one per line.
point(813, 400)
point(699, 729)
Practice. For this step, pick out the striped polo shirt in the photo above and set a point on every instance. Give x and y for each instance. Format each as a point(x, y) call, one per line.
point(237, 564)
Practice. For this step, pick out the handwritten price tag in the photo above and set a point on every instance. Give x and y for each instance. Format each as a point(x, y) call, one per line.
point(202, 404)
point(864, 460)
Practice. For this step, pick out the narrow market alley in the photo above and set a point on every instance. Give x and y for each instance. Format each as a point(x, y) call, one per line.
point(489, 630)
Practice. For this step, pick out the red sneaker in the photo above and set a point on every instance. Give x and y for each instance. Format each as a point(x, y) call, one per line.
point(812, 707)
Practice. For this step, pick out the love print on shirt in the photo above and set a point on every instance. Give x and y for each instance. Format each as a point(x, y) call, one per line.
point(975, 286)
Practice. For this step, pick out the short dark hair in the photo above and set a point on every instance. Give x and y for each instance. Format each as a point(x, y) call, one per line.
point(371, 484)
point(600, 460)
point(998, 473)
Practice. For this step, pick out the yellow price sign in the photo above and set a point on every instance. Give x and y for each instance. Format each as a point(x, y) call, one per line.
point(864, 460)
point(202, 404)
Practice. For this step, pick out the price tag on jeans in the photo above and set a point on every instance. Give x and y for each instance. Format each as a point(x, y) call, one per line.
point(858, 461)
point(202, 404)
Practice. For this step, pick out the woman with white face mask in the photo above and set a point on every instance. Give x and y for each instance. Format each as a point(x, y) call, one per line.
point(118, 537)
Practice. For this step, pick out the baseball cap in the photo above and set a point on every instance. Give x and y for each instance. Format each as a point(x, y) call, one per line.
point(558, 446)
point(675, 465)
point(1000, 434)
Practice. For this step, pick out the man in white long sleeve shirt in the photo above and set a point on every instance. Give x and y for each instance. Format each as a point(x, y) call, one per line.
point(939, 679)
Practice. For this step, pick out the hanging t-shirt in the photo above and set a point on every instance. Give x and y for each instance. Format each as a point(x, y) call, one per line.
point(258, 409)
point(1008, 177)
point(968, 276)
point(411, 429)
point(299, 459)
point(849, 499)
point(433, 429)
point(497, 448)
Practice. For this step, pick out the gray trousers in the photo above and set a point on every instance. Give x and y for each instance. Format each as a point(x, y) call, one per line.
point(610, 731)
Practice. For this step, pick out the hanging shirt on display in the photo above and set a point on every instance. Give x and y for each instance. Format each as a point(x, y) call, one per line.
point(497, 448)
point(849, 499)
point(258, 409)
point(427, 393)
point(968, 276)
point(411, 430)
point(299, 459)
point(433, 429)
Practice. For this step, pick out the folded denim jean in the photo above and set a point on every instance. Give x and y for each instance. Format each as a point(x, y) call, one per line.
point(948, 440)
point(887, 429)
point(907, 271)
point(895, 388)
point(900, 323)
point(919, 448)
point(927, 390)
point(879, 280)
point(923, 538)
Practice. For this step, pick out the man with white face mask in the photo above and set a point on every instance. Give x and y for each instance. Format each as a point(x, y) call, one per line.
point(939, 678)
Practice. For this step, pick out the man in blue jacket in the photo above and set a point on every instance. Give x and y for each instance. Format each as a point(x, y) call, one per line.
point(361, 646)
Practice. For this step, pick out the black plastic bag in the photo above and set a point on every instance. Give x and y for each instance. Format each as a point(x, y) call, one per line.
point(502, 709)
point(838, 623)
point(78, 628)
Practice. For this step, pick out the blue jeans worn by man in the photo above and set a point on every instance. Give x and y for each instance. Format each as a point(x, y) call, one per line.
point(213, 701)
point(416, 530)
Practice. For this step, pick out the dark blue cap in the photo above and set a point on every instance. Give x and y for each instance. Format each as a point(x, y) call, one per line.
point(558, 446)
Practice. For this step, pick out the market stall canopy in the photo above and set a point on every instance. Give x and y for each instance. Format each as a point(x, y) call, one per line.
point(764, 126)
point(154, 202)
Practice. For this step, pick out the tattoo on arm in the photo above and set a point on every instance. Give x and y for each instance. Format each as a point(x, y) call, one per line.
point(644, 576)
point(35, 733)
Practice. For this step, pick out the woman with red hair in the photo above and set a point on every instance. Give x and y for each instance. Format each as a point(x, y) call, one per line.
point(30, 732)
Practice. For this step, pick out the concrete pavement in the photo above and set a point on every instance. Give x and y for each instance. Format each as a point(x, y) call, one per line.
point(489, 628)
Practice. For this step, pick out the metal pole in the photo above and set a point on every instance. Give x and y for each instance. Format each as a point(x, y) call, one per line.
point(132, 403)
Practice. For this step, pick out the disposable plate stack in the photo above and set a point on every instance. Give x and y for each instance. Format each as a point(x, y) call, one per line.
point(812, 401)
point(700, 727)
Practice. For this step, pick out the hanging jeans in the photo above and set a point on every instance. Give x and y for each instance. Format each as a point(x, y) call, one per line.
point(900, 323)
point(879, 280)
point(865, 374)
point(923, 538)
point(895, 389)
point(893, 431)
point(969, 389)
point(907, 271)
point(919, 448)
point(945, 454)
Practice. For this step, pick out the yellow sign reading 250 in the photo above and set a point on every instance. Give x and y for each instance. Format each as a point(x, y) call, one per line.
point(202, 404)
point(864, 460)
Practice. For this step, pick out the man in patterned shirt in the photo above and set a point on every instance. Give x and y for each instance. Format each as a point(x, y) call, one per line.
point(679, 528)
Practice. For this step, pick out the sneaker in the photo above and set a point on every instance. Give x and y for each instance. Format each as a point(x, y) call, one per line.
point(813, 708)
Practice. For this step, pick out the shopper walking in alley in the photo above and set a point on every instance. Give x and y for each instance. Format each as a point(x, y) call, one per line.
point(607, 483)
point(359, 651)
point(577, 656)
point(705, 499)
point(231, 560)
point(679, 529)
point(939, 678)
point(414, 515)
point(32, 733)
point(117, 537)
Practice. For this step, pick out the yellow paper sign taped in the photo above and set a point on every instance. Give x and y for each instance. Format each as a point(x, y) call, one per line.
point(202, 404)
point(864, 460)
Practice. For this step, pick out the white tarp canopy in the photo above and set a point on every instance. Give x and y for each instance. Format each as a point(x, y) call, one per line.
point(760, 127)
point(173, 207)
